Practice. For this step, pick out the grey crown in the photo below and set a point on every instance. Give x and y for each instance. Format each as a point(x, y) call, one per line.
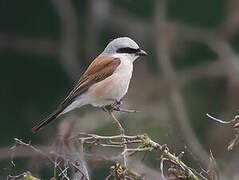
point(122, 42)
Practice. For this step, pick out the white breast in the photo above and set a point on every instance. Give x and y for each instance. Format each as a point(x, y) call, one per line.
point(122, 76)
point(114, 87)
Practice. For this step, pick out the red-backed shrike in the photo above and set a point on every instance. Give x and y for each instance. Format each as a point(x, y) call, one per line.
point(105, 81)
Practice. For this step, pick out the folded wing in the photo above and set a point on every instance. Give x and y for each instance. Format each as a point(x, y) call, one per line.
point(101, 68)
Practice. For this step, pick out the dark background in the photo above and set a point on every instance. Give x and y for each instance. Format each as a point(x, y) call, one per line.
point(192, 69)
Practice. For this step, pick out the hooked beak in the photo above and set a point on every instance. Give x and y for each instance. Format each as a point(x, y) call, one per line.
point(141, 52)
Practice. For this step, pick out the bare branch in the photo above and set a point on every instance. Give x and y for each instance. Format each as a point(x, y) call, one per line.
point(146, 144)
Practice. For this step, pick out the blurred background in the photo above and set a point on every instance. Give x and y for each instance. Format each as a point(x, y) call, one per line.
point(192, 69)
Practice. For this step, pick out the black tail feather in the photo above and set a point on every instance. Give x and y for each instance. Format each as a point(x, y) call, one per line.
point(46, 121)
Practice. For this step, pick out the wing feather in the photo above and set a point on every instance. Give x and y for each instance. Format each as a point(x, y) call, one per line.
point(101, 68)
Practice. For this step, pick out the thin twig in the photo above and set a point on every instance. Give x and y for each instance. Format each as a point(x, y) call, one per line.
point(112, 172)
point(219, 120)
point(122, 131)
point(118, 123)
point(137, 150)
point(19, 142)
point(146, 144)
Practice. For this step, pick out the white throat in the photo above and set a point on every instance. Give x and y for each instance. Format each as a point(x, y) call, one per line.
point(126, 56)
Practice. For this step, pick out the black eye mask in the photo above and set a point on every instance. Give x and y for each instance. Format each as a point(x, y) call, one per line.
point(127, 50)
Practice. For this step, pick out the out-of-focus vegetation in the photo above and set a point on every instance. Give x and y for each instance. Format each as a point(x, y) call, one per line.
point(46, 45)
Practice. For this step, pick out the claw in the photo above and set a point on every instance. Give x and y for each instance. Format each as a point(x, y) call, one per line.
point(116, 107)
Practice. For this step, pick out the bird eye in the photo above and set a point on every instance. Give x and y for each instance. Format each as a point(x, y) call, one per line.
point(127, 50)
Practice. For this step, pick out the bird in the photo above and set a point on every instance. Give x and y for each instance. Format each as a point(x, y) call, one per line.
point(105, 81)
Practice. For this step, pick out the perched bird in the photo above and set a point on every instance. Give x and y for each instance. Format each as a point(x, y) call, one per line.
point(105, 81)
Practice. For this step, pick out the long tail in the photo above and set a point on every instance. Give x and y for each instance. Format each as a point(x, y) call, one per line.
point(50, 118)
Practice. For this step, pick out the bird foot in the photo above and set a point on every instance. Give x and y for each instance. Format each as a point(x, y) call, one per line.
point(116, 107)
point(125, 110)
